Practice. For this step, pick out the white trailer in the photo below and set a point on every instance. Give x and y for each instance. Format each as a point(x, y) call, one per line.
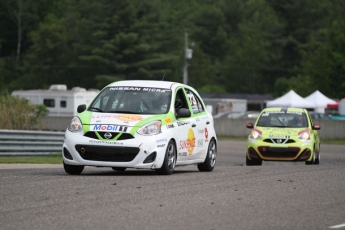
point(60, 101)
point(221, 105)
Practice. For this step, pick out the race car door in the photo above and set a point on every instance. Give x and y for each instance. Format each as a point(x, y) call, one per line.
point(200, 122)
point(185, 129)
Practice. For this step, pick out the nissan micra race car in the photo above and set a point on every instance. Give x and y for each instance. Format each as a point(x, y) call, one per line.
point(283, 134)
point(153, 125)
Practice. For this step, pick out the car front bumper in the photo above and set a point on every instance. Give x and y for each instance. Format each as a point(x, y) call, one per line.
point(140, 152)
point(298, 151)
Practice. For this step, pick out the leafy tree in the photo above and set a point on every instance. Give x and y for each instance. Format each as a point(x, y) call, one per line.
point(251, 50)
point(130, 41)
point(301, 21)
point(325, 65)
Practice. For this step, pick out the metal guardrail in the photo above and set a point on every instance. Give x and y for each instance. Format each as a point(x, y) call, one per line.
point(22, 142)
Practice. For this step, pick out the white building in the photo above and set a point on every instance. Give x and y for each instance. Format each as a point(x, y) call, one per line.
point(60, 101)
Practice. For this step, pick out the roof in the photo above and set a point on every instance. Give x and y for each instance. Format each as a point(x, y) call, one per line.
point(146, 83)
point(278, 109)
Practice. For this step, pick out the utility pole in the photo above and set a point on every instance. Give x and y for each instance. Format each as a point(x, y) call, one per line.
point(187, 55)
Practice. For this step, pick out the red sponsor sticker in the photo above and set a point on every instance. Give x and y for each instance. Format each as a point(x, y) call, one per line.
point(206, 133)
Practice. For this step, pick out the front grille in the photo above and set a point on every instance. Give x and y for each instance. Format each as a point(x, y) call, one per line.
point(279, 152)
point(123, 136)
point(278, 141)
point(107, 153)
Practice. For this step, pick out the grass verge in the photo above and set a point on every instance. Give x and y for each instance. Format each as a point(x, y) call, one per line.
point(49, 159)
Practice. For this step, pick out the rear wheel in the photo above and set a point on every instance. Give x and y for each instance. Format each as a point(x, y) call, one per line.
point(251, 162)
point(73, 169)
point(210, 160)
point(169, 162)
point(120, 169)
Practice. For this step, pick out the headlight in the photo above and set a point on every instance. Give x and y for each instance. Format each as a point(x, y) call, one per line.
point(152, 128)
point(75, 125)
point(304, 136)
point(255, 134)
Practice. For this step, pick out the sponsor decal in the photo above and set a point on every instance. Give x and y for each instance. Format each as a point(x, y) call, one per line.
point(129, 117)
point(183, 154)
point(105, 142)
point(201, 131)
point(189, 143)
point(103, 117)
point(170, 126)
point(206, 135)
point(161, 140)
point(147, 89)
point(200, 143)
point(192, 99)
point(119, 128)
point(160, 146)
point(125, 88)
point(168, 120)
point(197, 119)
point(180, 123)
point(278, 136)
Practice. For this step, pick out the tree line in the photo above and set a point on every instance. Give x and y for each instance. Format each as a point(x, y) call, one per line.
point(239, 46)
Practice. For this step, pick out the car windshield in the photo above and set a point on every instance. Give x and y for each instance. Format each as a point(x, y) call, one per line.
point(283, 119)
point(132, 100)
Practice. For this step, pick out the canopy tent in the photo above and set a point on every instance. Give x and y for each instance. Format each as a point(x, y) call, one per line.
point(333, 105)
point(320, 101)
point(291, 99)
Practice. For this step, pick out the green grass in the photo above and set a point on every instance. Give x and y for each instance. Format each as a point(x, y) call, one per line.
point(50, 159)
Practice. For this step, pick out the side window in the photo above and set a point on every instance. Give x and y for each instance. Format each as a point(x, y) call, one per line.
point(195, 102)
point(310, 119)
point(180, 100)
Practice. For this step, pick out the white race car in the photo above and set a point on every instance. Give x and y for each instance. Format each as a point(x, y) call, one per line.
point(144, 125)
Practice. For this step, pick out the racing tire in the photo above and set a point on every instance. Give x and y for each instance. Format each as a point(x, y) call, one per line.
point(317, 159)
point(253, 162)
point(312, 160)
point(119, 169)
point(210, 160)
point(73, 169)
point(169, 161)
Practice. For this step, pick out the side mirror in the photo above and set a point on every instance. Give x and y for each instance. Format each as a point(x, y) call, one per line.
point(316, 127)
point(250, 125)
point(183, 112)
point(81, 108)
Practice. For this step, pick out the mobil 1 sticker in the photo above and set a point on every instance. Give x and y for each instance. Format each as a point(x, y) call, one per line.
point(114, 128)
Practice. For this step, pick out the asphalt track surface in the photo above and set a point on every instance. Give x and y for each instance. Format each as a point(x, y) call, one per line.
point(276, 195)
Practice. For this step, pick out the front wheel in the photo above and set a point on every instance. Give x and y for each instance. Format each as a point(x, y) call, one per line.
point(312, 160)
point(169, 162)
point(210, 160)
point(252, 162)
point(317, 160)
point(73, 169)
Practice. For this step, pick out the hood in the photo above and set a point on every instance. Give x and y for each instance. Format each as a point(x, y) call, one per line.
point(118, 119)
point(273, 132)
